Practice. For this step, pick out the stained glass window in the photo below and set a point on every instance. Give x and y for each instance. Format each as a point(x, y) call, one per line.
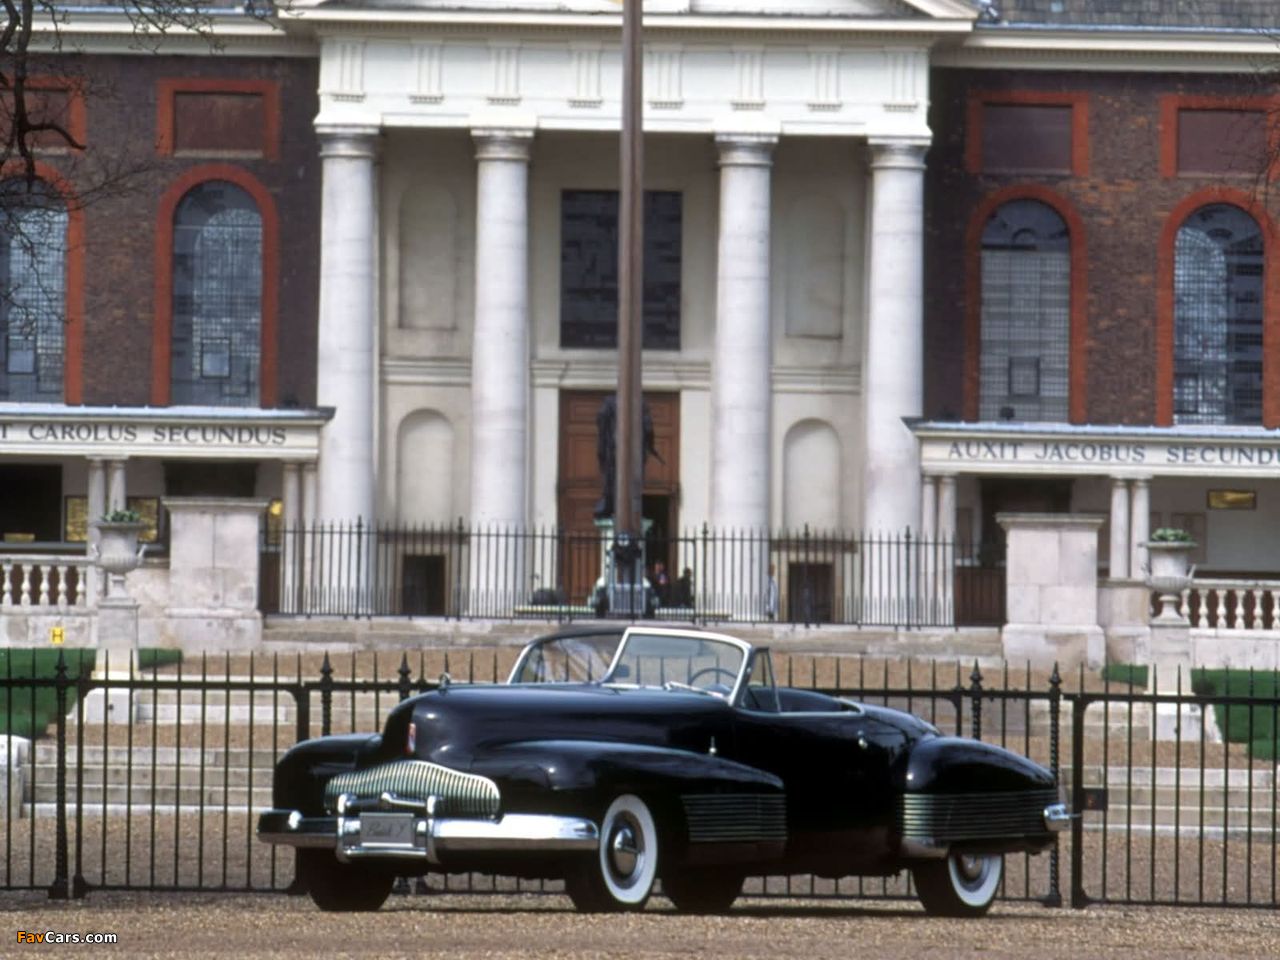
point(1217, 319)
point(33, 240)
point(1026, 314)
point(216, 349)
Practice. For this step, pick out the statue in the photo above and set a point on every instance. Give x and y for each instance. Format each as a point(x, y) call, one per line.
point(607, 450)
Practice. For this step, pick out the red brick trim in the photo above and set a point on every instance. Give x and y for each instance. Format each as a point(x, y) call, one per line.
point(73, 293)
point(168, 87)
point(162, 330)
point(1270, 299)
point(77, 122)
point(1172, 103)
point(1078, 370)
point(1078, 102)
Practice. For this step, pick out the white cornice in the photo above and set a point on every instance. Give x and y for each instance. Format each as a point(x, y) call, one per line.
point(1145, 50)
point(105, 33)
point(381, 22)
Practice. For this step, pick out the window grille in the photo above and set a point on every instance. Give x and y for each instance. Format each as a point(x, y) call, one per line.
point(33, 232)
point(1026, 314)
point(589, 269)
point(1217, 352)
point(217, 298)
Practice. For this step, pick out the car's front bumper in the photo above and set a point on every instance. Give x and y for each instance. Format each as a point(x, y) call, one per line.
point(412, 837)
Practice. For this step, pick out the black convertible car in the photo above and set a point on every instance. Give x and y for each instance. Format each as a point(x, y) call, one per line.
point(670, 754)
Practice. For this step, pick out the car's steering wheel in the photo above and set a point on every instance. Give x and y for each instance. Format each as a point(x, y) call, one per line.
point(714, 671)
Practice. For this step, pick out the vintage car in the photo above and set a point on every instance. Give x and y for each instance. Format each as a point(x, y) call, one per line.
point(671, 755)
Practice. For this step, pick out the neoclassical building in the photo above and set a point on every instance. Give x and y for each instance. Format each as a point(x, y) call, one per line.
point(468, 257)
point(909, 264)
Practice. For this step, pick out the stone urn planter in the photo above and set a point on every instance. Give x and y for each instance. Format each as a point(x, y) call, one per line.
point(117, 552)
point(1169, 572)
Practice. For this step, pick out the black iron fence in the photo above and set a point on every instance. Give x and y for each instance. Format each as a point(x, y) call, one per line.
point(704, 576)
point(153, 780)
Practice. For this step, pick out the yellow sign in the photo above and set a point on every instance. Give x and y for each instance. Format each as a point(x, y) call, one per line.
point(57, 634)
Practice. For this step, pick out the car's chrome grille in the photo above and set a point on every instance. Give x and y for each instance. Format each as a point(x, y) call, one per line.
point(461, 794)
point(974, 816)
point(735, 817)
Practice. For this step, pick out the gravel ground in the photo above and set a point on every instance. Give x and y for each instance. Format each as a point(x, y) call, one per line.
point(169, 925)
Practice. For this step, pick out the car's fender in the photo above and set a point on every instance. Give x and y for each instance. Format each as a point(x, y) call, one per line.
point(959, 765)
point(303, 771)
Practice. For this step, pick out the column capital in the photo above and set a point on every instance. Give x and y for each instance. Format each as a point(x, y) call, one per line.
point(1141, 481)
point(746, 149)
point(503, 143)
point(898, 154)
point(348, 140)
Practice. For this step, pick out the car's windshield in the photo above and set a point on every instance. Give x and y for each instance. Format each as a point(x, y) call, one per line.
point(580, 659)
point(675, 661)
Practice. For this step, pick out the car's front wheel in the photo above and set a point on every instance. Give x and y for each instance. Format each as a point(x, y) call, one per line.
point(962, 885)
point(342, 887)
point(702, 891)
point(620, 876)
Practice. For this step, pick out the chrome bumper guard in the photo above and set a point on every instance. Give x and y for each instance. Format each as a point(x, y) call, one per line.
point(412, 837)
point(1057, 817)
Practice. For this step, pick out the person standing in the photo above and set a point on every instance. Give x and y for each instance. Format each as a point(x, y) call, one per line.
point(661, 583)
point(771, 594)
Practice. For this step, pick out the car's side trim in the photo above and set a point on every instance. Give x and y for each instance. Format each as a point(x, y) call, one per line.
point(426, 838)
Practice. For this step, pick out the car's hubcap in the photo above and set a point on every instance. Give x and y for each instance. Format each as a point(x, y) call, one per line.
point(626, 850)
point(971, 869)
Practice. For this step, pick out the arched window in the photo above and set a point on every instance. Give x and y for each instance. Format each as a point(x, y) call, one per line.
point(33, 277)
point(1217, 317)
point(216, 349)
point(1026, 314)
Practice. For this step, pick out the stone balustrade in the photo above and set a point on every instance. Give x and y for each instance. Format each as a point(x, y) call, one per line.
point(45, 581)
point(1231, 604)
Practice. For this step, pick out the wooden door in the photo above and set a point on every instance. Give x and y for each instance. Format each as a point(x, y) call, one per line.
point(581, 485)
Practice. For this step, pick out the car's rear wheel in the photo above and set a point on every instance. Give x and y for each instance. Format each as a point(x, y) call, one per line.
point(342, 887)
point(621, 875)
point(962, 885)
point(702, 891)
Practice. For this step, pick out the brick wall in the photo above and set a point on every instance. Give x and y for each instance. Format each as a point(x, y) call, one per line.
point(120, 224)
point(1123, 204)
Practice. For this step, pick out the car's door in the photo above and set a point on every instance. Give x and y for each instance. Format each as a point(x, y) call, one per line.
point(835, 765)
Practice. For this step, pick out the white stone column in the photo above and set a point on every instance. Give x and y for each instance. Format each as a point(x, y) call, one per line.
point(893, 374)
point(500, 370)
point(310, 496)
point(310, 517)
point(947, 508)
point(500, 360)
point(95, 507)
point(345, 374)
point(948, 535)
point(117, 494)
point(933, 552)
point(290, 536)
point(741, 394)
point(1139, 525)
point(1119, 529)
point(740, 391)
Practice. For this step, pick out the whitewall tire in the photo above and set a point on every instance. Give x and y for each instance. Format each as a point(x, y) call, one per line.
point(621, 875)
point(962, 885)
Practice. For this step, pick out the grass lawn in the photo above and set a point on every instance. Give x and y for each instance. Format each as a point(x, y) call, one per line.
point(27, 709)
point(1256, 725)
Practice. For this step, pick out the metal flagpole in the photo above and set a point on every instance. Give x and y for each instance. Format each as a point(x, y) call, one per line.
point(629, 436)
